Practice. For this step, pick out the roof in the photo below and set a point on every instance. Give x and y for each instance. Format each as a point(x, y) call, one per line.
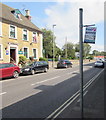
point(8, 16)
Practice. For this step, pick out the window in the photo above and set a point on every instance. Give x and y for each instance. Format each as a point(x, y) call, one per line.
point(25, 35)
point(0, 28)
point(34, 37)
point(26, 52)
point(13, 32)
point(1, 52)
point(34, 53)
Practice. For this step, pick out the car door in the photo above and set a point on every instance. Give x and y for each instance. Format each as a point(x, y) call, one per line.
point(7, 70)
point(38, 66)
point(68, 63)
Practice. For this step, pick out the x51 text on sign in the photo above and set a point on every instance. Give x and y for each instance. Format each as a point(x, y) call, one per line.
point(90, 35)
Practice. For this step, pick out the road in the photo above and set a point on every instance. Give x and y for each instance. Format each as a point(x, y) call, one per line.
point(45, 95)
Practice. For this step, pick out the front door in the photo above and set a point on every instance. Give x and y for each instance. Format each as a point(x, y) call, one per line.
point(12, 54)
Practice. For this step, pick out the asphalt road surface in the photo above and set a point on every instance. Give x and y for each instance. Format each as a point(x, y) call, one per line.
point(45, 95)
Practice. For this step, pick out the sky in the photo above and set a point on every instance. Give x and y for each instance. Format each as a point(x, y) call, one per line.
point(65, 14)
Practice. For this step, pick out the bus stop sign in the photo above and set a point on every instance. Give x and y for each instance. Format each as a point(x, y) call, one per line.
point(90, 35)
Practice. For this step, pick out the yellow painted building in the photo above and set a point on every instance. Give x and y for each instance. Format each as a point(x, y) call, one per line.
point(18, 36)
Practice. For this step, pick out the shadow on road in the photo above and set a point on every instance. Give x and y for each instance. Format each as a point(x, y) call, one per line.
point(42, 104)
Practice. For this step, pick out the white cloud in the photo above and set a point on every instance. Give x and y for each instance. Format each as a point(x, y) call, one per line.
point(66, 18)
point(98, 47)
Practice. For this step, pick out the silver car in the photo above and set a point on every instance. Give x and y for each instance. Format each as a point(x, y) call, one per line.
point(99, 64)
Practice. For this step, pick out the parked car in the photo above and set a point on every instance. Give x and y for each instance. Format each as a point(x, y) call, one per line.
point(99, 64)
point(38, 66)
point(9, 70)
point(64, 64)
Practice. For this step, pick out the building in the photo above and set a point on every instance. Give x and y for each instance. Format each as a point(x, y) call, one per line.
point(18, 35)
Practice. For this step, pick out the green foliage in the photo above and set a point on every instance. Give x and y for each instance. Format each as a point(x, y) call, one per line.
point(86, 49)
point(91, 57)
point(48, 45)
point(97, 53)
point(22, 59)
point(68, 51)
point(42, 59)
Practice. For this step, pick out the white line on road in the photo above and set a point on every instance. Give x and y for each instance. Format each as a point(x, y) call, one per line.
point(45, 80)
point(3, 93)
point(59, 110)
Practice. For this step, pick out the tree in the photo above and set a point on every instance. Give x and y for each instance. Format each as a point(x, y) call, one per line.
point(86, 49)
point(48, 44)
point(69, 51)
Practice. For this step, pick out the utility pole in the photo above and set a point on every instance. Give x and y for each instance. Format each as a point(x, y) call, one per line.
point(81, 58)
point(66, 47)
point(53, 47)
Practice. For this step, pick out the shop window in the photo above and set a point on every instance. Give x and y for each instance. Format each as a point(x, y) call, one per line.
point(13, 32)
point(34, 37)
point(25, 35)
point(26, 52)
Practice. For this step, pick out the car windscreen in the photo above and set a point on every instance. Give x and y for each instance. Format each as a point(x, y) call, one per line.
point(3, 66)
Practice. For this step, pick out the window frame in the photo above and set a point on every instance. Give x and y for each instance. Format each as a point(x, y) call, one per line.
point(15, 31)
point(33, 37)
point(27, 52)
point(1, 52)
point(0, 28)
point(23, 35)
point(33, 52)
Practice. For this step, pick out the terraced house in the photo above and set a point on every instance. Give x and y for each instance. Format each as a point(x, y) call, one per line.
point(18, 35)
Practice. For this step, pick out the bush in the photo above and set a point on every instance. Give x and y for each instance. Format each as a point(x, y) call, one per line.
point(42, 59)
point(22, 60)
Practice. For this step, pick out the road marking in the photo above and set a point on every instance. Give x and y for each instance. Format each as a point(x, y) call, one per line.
point(3, 93)
point(59, 110)
point(73, 72)
point(45, 80)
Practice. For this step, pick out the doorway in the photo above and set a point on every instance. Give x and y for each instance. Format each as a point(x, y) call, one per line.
point(13, 55)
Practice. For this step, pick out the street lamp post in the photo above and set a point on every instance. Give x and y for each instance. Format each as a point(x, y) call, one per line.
point(53, 47)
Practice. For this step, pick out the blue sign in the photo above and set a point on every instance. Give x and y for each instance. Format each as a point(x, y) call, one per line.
point(7, 52)
point(90, 35)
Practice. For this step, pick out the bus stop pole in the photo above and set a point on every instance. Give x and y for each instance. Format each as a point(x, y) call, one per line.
point(81, 58)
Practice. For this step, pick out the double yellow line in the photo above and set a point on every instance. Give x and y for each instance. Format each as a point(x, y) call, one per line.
point(58, 111)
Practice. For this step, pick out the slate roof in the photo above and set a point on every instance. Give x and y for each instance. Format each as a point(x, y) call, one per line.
point(9, 16)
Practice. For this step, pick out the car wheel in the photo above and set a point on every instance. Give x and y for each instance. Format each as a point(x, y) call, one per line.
point(45, 70)
point(32, 72)
point(15, 74)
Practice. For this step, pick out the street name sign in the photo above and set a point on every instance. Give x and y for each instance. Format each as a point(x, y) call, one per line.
point(90, 35)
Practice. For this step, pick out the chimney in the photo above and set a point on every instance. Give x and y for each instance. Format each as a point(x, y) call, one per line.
point(28, 15)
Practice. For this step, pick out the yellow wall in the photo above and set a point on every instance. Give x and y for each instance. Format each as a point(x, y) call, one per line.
point(4, 40)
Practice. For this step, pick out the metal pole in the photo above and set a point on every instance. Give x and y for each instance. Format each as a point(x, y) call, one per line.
point(66, 47)
point(53, 48)
point(81, 58)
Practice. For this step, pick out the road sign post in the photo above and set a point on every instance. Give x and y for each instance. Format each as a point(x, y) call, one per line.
point(81, 58)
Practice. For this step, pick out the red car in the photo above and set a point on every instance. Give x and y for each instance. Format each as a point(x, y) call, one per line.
point(9, 70)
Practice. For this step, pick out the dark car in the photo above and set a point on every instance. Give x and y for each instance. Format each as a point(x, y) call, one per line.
point(99, 64)
point(64, 64)
point(38, 66)
point(9, 70)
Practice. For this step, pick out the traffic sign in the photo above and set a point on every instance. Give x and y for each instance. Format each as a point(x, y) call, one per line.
point(90, 35)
